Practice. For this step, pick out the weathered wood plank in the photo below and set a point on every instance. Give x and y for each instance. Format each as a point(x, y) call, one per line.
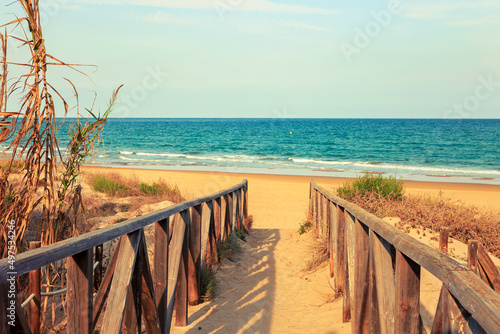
point(476, 297)
point(193, 287)
point(117, 299)
point(34, 288)
point(443, 240)
point(223, 217)
point(472, 246)
point(161, 270)
point(339, 270)
point(407, 295)
point(150, 311)
point(98, 270)
point(350, 240)
point(132, 322)
point(374, 309)
point(22, 324)
point(245, 204)
point(332, 240)
point(181, 294)
point(31, 260)
point(231, 213)
point(384, 281)
point(79, 294)
point(489, 268)
point(346, 300)
point(217, 218)
point(175, 252)
point(5, 305)
point(441, 322)
point(103, 291)
point(234, 212)
point(361, 278)
point(205, 227)
point(195, 233)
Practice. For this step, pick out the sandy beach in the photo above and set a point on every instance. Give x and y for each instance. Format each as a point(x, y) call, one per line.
point(266, 290)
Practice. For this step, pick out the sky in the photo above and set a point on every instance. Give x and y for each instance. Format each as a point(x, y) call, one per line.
point(276, 59)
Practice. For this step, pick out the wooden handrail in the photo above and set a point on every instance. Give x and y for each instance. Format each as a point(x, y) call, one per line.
point(34, 259)
point(349, 227)
point(186, 237)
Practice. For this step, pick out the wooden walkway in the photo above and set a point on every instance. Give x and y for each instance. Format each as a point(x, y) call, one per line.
point(375, 265)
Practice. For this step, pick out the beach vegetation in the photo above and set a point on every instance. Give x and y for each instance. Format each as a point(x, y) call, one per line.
point(228, 248)
point(389, 187)
point(319, 255)
point(464, 221)
point(305, 227)
point(110, 186)
point(163, 189)
point(241, 235)
point(209, 285)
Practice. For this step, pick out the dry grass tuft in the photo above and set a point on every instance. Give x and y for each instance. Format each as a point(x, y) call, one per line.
point(319, 258)
point(465, 222)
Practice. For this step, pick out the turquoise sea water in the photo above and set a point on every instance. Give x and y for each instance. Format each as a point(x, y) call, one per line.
point(412, 148)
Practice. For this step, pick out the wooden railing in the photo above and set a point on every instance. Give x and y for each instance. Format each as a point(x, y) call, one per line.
point(377, 267)
point(185, 243)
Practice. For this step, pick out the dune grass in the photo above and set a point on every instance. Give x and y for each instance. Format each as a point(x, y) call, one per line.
point(162, 189)
point(385, 187)
point(110, 186)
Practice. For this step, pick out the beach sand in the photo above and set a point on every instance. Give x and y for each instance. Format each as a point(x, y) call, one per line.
point(266, 289)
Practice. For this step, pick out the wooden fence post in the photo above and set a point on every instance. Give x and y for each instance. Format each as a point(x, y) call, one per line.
point(230, 213)
point(34, 288)
point(217, 218)
point(472, 246)
point(332, 240)
point(346, 302)
point(181, 297)
point(161, 270)
point(339, 270)
point(407, 295)
point(79, 295)
point(98, 269)
point(223, 217)
point(4, 304)
point(384, 281)
point(118, 293)
point(195, 230)
point(443, 240)
point(361, 278)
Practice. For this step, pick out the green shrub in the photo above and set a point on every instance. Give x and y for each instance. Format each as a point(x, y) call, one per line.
point(209, 284)
point(389, 188)
point(241, 235)
point(228, 247)
point(109, 186)
point(304, 227)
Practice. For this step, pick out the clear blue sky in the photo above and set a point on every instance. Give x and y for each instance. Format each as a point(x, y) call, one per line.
point(287, 58)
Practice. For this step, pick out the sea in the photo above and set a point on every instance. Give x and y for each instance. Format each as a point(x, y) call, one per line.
point(444, 150)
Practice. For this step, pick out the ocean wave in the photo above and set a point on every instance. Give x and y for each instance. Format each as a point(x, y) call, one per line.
point(126, 152)
point(170, 155)
point(323, 162)
point(427, 169)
